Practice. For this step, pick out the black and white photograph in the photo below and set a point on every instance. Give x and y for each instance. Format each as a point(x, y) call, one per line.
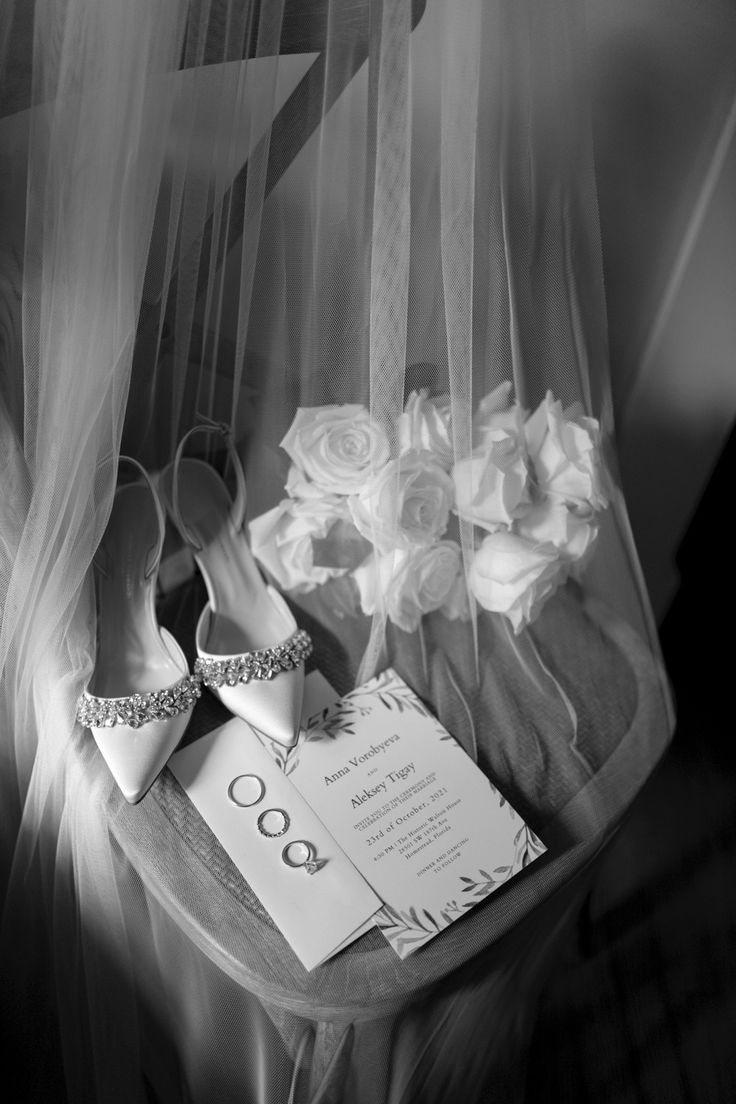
point(367, 455)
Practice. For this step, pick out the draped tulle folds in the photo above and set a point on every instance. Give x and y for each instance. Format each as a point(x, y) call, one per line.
point(364, 235)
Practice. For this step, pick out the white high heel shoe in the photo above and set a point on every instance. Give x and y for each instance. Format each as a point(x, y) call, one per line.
point(141, 695)
point(251, 652)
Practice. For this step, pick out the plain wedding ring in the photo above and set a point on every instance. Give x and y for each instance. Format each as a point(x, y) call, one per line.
point(246, 790)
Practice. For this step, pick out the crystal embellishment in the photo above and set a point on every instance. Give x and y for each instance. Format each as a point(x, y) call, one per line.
point(266, 663)
point(139, 709)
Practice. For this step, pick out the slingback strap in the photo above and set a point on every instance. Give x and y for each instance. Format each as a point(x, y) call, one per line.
point(154, 553)
point(237, 510)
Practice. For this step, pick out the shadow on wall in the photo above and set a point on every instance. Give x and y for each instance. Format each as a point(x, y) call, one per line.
point(664, 118)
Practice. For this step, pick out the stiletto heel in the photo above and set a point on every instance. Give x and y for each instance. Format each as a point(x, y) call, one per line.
point(251, 652)
point(141, 695)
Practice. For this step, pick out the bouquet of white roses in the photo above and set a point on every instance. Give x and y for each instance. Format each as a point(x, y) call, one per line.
point(386, 518)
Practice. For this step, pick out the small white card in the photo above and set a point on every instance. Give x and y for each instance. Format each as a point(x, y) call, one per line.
point(317, 913)
point(413, 812)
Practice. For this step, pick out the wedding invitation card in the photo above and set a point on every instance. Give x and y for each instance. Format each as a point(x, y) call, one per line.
point(412, 811)
point(376, 816)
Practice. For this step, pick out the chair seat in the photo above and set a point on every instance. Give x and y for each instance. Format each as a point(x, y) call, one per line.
point(621, 734)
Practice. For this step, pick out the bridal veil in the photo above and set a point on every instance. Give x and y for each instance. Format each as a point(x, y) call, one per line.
point(240, 209)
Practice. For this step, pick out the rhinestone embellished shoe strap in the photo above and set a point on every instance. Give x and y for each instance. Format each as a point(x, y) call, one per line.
point(138, 709)
point(265, 663)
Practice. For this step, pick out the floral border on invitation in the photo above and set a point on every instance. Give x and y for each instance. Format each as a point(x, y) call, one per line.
point(408, 929)
point(338, 719)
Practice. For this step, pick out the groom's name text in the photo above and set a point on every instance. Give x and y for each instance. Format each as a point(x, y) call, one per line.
point(398, 775)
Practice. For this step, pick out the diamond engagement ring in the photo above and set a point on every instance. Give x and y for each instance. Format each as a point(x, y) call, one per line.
point(302, 853)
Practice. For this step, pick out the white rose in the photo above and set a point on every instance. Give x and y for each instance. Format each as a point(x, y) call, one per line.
point(335, 447)
point(298, 486)
point(282, 540)
point(412, 582)
point(425, 426)
point(513, 576)
point(494, 412)
point(492, 485)
point(406, 503)
point(571, 531)
point(373, 577)
point(564, 447)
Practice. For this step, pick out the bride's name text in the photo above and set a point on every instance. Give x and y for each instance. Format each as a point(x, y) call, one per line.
point(374, 749)
point(399, 774)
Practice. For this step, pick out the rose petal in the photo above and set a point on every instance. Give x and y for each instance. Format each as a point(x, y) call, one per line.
point(512, 576)
point(564, 448)
point(552, 522)
point(281, 540)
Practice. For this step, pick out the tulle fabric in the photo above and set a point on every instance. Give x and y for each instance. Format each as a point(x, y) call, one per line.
point(238, 210)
